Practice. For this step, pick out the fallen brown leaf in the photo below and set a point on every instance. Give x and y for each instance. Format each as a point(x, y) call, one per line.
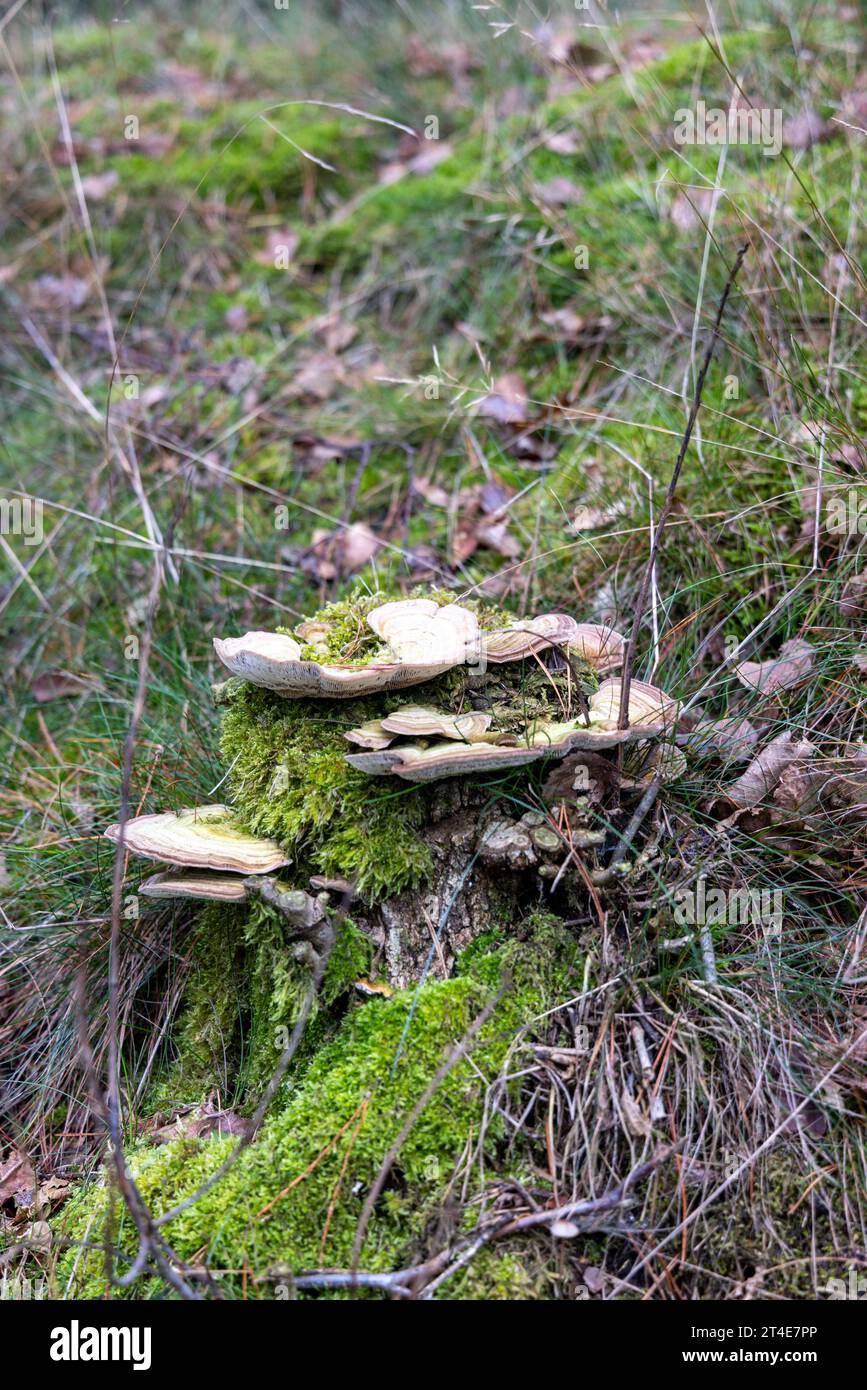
point(431, 492)
point(55, 685)
point(853, 599)
point(558, 192)
point(495, 535)
point(57, 292)
point(592, 518)
point(200, 1122)
point(343, 551)
point(562, 142)
point(766, 769)
point(17, 1179)
point(804, 130)
point(430, 154)
point(449, 60)
point(95, 187)
point(733, 737)
point(318, 375)
point(507, 402)
point(794, 662)
point(690, 208)
point(566, 325)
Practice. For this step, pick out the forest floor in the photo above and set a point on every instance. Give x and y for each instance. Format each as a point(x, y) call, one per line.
point(345, 300)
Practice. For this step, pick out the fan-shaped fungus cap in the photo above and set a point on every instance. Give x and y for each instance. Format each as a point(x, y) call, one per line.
point(370, 735)
point(419, 630)
point(649, 707)
point(421, 641)
point(651, 715)
point(418, 763)
point(212, 887)
point(204, 837)
point(600, 646)
point(528, 636)
point(420, 721)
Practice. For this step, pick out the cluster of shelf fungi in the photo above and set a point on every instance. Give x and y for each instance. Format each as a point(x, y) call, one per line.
point(209, 855)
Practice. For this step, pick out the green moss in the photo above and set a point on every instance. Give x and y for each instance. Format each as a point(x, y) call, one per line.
point(345, 636)
point(290, 780)
point(494, 1277)
point(206, 1040)
point(246, 987)
point(237, 153)
point(277, 983)
point(329, 1132)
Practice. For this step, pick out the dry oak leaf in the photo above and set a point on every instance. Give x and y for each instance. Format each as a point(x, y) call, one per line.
point(565, 325)
point(506, 402)
point(731, 737)
point(558, 192)
point(691, 208)
point(318, 375)
point(794, 662)
point(430, 491)
point(344, 551)
point(562, 142)
point(637, 1123)
point(853, 600)
point(798, 785)
point(55, 685)
point(766, 769)
point(95, 187)
point(593, 518)
point(806, 129)
point(428, 157)
point(201, 1123)
point(17, 1179)
point(495, 535)
point(57, 292)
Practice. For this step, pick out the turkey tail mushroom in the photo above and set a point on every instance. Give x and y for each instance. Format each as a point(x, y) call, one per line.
point(203, 837)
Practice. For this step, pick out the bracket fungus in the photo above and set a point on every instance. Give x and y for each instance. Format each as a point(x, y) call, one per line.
point(601, 647)
point(369, 735)
point(648, 705)
point(420, 640)
point(202, 884)
point(423, 720)
point(651, 715)
point(203, 837)
point(484, 718)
